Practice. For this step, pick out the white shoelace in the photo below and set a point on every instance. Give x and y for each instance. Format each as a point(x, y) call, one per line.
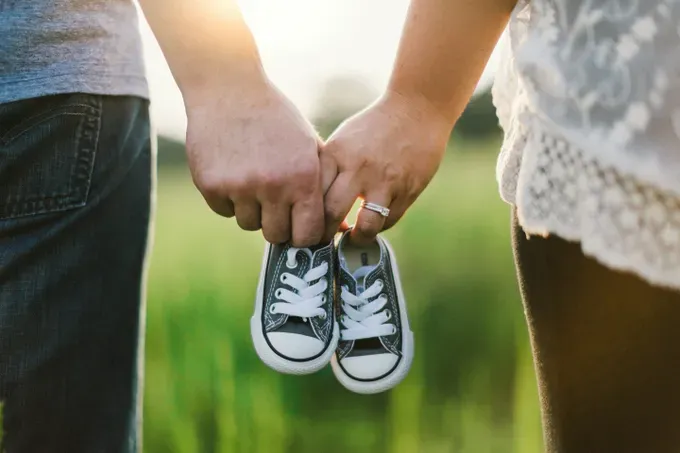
point(361, 319)
point(307, 299)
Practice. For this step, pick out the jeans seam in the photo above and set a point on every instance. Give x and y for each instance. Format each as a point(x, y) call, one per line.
point(93, 124)
point(27, 124)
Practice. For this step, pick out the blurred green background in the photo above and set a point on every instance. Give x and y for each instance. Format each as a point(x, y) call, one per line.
point(471, 388)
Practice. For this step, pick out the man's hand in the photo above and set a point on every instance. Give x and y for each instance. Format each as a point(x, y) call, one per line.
point(254, 156)
point(386, 155)
point(251, 153)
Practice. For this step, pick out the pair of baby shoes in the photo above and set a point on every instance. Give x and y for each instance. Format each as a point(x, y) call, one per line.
point(338, 303)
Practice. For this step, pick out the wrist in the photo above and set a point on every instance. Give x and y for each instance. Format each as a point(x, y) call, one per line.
point(245, 78)
point(420, 109)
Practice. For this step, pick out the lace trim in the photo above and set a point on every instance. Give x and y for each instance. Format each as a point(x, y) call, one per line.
point(621, 222)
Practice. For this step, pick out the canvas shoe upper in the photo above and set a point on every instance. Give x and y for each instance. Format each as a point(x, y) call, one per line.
point(376, 344)
point(293, 327)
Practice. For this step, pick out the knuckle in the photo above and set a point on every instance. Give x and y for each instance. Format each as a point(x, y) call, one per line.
point(392, 174)
point(306, 173)
point(271, 185)
point(271, 178)
point(333, 149)
point(210, 184)
point(363, 161)
point(298, 182)
point(334, 214)
point(239, 185)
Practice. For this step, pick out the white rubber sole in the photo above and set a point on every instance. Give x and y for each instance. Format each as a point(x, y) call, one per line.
point(401, 371)
point(267, 354)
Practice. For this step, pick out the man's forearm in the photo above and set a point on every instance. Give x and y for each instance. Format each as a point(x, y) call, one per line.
point(205, 42)
point(444, 49)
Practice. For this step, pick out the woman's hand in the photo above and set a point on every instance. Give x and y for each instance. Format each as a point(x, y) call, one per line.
point(388, 153)
point(385, 155)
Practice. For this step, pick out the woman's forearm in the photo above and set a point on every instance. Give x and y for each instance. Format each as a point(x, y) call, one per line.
point(444, 48)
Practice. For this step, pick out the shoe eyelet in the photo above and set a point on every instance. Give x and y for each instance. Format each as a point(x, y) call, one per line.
point(394, 330)
point(272, 309)
point(283, 278)
point(323, 315)
point(381, 283)
point(278, 293)
point(323, 299)
point(388, 313)
point(292, 265)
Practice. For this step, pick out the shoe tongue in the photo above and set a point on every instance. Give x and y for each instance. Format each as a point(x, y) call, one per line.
point(308, 253)
point(312, 251)
point(360, 276)
point(316, 248)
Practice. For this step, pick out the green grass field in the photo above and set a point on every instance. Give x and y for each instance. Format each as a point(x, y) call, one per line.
point(471, 388)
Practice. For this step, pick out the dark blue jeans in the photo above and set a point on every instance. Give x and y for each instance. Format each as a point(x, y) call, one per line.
point(76, 184)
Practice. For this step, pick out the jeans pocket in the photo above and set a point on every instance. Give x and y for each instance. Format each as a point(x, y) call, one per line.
point(47, 153)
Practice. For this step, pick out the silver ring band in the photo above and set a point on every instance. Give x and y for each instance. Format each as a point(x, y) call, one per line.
point(382, 210)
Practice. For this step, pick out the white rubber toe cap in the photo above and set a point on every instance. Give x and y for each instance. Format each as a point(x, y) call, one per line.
point(294, 345)
point(369, 366)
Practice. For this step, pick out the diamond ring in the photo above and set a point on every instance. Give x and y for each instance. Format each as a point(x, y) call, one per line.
point(382, 210)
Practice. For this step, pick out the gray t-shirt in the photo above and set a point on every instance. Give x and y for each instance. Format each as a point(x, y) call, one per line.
point(65, 46)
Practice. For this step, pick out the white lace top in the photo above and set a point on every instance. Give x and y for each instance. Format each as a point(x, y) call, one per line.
point(588, 94)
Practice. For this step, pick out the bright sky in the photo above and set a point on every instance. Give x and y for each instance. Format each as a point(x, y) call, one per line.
point(303, 43)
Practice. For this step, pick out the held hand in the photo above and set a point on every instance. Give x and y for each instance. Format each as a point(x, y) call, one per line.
point(253, 156)
point(385, 155)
